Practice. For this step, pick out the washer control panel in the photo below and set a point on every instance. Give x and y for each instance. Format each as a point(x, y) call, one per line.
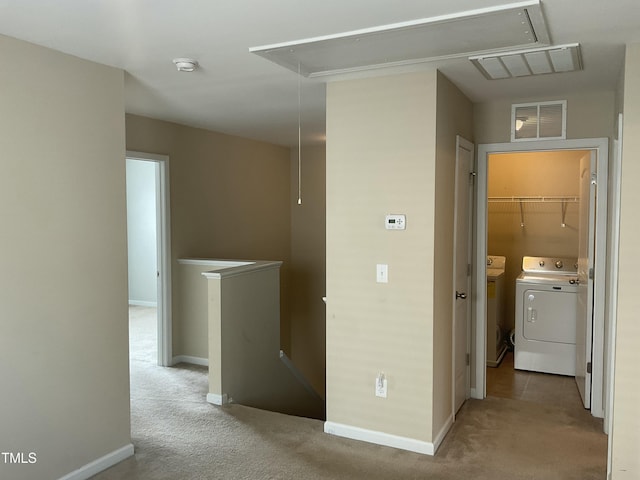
point(566, 266)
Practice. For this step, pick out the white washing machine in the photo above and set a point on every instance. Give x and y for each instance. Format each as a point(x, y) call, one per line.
point(546, 314)
point(496, 345)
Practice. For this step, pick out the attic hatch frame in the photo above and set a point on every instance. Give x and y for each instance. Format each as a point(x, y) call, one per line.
point(514, 25)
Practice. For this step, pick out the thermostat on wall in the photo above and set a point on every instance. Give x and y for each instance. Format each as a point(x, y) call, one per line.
point(395, 222)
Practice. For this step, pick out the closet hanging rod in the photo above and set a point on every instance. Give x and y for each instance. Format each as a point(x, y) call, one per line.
point(535, 199)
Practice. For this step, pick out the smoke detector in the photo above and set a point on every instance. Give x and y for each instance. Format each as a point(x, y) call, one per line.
point(185, 64)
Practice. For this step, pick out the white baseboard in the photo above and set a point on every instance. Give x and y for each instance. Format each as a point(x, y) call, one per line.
point(189, 359)
point(442, 433)
point(102, 463)
point(379, 438)
point(216, 399)
point(142, 303)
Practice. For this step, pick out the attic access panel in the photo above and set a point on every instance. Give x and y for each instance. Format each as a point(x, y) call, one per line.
point(447, 36)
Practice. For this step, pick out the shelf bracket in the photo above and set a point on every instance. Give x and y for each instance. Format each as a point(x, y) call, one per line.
point(564, 213)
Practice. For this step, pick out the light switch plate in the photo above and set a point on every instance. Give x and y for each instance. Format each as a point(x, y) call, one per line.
point(382, 273)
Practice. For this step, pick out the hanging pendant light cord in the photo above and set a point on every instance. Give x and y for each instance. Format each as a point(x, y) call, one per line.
point(299, 142)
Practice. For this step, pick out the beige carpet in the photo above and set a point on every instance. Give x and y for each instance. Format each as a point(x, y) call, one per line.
point(178, 435)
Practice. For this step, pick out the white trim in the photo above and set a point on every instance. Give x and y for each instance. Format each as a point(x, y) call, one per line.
point(216, 399)
point(101, 464)
point(443, 432)
point(241, 268)
point(163, 222)
point(614, 258)
point(189, 359)
point(379, 438)
point(206, 262)
point(601, 145)
point(480, 283)
point(142, 303)
point(298, 374)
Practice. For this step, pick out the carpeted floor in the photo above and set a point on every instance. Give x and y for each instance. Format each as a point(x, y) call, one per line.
point(178, 435)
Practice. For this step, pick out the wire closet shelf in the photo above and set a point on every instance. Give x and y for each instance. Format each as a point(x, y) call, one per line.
point(563, 200)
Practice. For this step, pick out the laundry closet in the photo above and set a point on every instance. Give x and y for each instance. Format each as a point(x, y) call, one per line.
point(533, 209)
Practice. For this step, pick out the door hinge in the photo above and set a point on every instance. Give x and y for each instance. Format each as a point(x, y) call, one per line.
point(472, 177)
point(594, 179)
point(591, 274)
point(588, 367)
point(468, 359)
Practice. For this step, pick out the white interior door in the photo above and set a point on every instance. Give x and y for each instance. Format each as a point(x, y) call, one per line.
point(462, 270)
point(586, 252)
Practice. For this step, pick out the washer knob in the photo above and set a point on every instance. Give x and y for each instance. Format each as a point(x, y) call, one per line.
point(559, 264)
point(541, 263)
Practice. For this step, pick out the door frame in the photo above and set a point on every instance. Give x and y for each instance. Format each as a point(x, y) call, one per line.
point(163, 242)
point(601, 145)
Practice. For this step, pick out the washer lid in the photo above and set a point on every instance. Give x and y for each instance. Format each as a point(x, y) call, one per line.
point(567, 282)
point(496, 261)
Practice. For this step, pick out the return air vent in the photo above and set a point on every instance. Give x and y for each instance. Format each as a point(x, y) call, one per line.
point(539, 121)
point(516, 25)
point(556, 59)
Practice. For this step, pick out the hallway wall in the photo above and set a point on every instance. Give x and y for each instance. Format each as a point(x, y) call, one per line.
point(307, 273)
point(381, 159)
point(626, 422)
point(391, 147)
point(63, 294)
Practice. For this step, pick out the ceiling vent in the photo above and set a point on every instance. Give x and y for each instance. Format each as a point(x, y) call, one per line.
point(516, 25)
point(538, 61)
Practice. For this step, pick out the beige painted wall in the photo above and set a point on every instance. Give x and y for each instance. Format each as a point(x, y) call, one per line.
point(381, 159)
point(229, 199)
point(63, 268)
point(307, 272)
point(531, 174)
point(626, 426)
point(191, 309)
point(454, 117)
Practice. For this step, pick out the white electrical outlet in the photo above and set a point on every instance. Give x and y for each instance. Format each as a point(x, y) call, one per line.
point(381, 386)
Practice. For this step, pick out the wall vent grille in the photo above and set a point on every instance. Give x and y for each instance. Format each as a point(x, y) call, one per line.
point(539, 121)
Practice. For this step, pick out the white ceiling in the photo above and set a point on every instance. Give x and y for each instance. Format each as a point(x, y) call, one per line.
point(240, 93)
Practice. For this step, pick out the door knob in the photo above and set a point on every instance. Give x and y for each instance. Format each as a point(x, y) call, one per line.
point(460, 295)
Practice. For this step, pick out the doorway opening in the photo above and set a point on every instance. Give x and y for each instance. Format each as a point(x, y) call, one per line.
point(149, 257)
point(536, 239)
